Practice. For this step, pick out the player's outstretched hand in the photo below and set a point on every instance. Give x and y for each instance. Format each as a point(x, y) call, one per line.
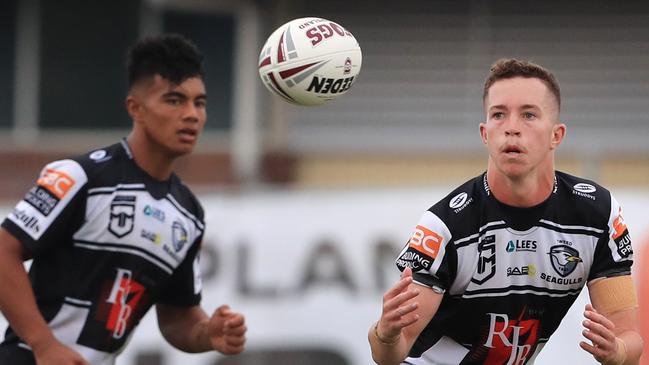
point(603, 342)
point(227, 331)
point(398, 307)
point(56, 353)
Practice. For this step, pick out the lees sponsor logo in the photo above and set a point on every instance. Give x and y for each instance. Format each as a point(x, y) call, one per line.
point(521, 245)
point(56, 182)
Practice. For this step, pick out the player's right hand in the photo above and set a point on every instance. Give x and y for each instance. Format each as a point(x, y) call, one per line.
point(56, 353)
point(398, 305)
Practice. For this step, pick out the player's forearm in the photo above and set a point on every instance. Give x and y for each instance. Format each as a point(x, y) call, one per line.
point(185, 329)
point(18, 304)
point(633, 344)
point(387, 354)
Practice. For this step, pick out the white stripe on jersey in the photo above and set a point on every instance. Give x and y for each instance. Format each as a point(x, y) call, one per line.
point(100, 247)
point(185, 212)
point(584, 228)
point(522, 291)
point(79, 302)
point(117, 187)
point(445, 352)
point(475, 235)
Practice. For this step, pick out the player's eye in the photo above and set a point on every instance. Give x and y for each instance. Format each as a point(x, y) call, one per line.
point(497, 115)
point(529, 116)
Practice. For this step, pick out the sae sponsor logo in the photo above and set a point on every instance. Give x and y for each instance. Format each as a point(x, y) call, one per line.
point(527, 270)
point(56, 182)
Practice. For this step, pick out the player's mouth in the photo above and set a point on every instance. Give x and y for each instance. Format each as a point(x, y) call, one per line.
point(187, 135)
point(512, 150)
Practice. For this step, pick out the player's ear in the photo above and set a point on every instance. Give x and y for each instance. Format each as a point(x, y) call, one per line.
point(483, 132)
point(133, 107)
point(558, 133)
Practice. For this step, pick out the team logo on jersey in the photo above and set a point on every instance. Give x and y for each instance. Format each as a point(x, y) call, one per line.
point(122, 215)
point(56, 182)
point(584, 190)
point(564, 259)
point(486, 261)
point(621, 236)
point(459, 202)
point(99, 156)
point(179, 235)
point(521, 245)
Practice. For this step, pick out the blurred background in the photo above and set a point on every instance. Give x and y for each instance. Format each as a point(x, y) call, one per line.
point(307, 207)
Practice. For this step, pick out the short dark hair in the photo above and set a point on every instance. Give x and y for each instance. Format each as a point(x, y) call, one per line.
point(171, 56)
point(507, 68)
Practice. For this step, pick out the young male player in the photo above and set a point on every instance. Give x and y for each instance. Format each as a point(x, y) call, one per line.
point(114, 231)
point(492, 269)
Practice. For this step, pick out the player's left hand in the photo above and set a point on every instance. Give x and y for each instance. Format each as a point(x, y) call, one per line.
point(600, 331)
point(227, 331)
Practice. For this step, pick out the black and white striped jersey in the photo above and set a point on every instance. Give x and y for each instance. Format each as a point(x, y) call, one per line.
point(509, 275)
point(108, 242)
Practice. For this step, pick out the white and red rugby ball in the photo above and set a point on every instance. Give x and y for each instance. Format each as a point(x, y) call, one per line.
point(310, 61)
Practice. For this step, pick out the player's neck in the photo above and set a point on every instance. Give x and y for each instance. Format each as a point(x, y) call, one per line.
point(524, 191)
point(149, 158)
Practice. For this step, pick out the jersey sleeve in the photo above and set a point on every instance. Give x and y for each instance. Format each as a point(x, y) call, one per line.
point(430, 254)
point(614, 253)
point(51, 208)
point(184, 286)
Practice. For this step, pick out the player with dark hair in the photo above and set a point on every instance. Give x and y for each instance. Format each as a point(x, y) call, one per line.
point(492, 268)
point(114, 231)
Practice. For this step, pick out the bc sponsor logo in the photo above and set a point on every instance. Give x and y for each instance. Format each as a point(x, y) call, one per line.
point(56, 182)
point(486, 261)
point(179, 235)
point(122, 215)
point(425, 241)
point(154, 212)
point(521, 245)
point(414, 260)
point(527, 270)
point(564, 259)
point(41, 199)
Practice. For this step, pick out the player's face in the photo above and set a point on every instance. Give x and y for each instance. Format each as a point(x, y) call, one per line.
point(522, 126)
point(173, 115)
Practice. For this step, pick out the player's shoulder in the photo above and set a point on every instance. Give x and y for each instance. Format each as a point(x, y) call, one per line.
point(462, 203)
point(460, 198)
point(583, 194)
point(182, 194)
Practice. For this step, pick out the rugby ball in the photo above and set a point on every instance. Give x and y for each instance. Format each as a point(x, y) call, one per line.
point(310, 61)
